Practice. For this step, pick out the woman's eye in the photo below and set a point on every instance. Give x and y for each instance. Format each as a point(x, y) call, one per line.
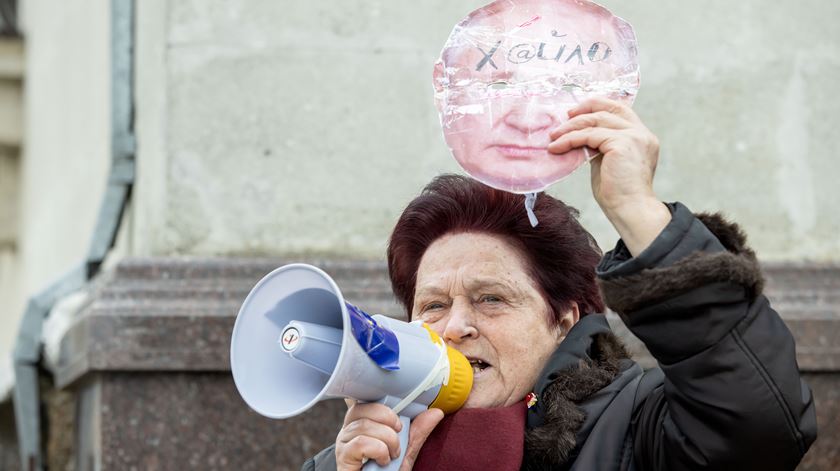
point(431, 312)
point(489, 298)
point(432, 307)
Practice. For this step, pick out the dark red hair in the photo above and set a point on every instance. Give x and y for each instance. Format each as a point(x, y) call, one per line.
point(561, 254)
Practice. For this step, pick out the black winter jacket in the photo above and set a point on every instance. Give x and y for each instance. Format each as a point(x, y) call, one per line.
point(727, 393)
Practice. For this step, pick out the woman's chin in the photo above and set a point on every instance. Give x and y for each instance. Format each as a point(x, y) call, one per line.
point(476, 402)
point(486, 391)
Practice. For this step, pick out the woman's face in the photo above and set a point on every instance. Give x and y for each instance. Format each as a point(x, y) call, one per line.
point(474, 290)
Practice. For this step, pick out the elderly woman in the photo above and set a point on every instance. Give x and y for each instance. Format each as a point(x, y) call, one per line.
point(554, 388)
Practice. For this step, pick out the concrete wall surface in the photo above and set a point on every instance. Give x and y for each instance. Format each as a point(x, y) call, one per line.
point(276, 127)
point(66, 135)
point(11, 117)
point(10, 299)
point(50, 186)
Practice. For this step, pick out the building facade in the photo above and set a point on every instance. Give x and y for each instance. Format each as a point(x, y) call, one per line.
point(248, 134)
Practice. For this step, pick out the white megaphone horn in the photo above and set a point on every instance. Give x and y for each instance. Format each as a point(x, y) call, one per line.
point(296, 341)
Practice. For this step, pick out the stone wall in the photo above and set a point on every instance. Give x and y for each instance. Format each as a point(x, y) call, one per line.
point(276, 127)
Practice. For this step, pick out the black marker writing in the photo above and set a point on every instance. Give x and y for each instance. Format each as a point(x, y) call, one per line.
point(488, 57)
point(593, 52)
point(556, 57)
point(526, 52)
point(576, 52)
point(521, 53)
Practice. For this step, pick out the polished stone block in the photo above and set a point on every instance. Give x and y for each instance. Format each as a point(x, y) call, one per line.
point(198, 421)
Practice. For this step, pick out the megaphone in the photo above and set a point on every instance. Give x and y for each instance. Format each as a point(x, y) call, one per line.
point(296, 341)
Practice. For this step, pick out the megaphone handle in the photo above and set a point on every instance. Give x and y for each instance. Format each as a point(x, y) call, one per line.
point(394, 465)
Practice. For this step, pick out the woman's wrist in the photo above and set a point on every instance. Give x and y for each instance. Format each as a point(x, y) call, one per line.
point(638, 221)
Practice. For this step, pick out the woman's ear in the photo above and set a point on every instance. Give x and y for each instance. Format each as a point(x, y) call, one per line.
point(569, 319)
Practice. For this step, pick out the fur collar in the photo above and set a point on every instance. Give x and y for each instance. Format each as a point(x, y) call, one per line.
point(552, 435)
point(736, 264)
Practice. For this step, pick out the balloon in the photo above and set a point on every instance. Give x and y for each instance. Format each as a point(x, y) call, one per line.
point(509, 73)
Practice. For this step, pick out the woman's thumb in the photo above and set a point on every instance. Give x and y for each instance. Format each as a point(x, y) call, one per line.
point(421, 428)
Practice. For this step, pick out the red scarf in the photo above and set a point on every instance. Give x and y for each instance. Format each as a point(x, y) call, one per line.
point(476, 439)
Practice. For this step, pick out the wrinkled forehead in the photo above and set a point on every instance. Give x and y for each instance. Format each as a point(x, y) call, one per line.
point(528, 37)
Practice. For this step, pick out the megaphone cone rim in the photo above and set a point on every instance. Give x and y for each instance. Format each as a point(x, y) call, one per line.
point(346, 336)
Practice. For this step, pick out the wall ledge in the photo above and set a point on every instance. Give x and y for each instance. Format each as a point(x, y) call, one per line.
point(176, 313)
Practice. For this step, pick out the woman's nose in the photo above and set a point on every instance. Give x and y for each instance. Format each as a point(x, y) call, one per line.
point(460, 325)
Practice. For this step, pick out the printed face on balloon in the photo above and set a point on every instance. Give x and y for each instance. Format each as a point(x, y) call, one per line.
point(510, 72)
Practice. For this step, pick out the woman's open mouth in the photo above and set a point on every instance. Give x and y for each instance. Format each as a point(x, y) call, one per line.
point(478, 366)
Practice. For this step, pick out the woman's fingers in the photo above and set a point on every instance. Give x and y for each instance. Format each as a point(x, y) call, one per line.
point(598, 119)
point(594, 138)
point(361, 448)
point(421, 428)
point(596, 104)
point(373, 411)
point(370, 431)
point(369, 428)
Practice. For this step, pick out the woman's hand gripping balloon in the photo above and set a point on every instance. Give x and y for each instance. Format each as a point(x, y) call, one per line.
point(371, 431)
point(622, 176)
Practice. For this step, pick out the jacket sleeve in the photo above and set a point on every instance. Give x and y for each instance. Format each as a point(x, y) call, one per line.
point(323, 461)
point(732, 396)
